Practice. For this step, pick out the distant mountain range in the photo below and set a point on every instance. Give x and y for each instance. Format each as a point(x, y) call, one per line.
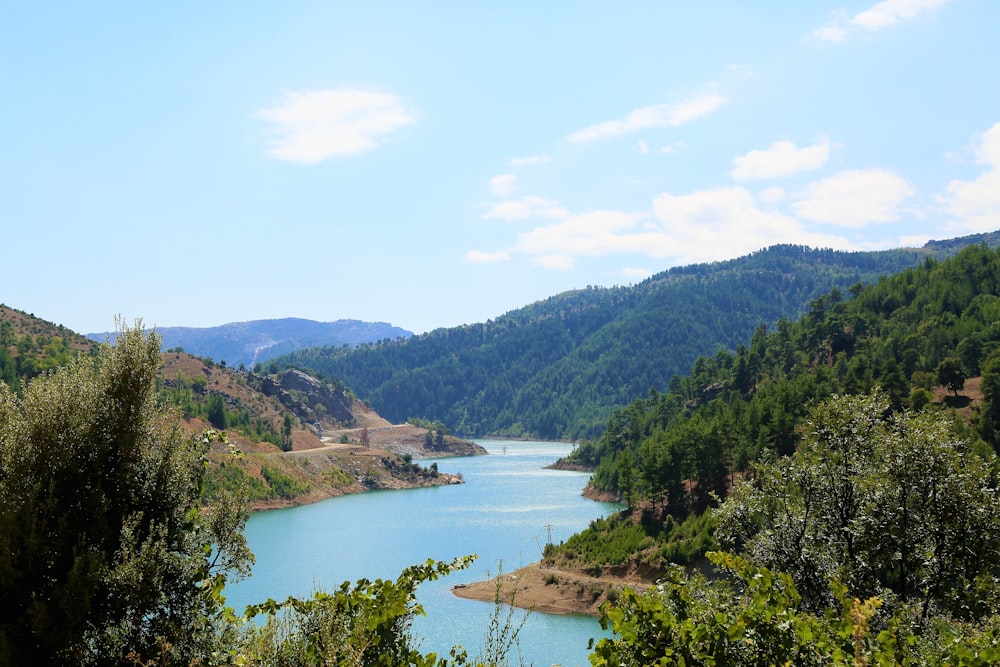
point(258, 341)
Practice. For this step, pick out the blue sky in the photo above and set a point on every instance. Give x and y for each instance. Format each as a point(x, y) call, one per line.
point(439, 163)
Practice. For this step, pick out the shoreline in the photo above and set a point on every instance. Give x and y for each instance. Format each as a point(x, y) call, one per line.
point(550, 590)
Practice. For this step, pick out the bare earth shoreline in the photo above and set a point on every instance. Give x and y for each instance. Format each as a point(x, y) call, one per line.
point(543, 588)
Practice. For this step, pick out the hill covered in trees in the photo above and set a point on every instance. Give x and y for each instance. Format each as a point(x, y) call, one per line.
point(558, 368)
point(846, 460)
point(923, 341)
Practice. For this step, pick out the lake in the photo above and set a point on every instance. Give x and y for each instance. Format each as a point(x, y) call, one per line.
point(509, 506)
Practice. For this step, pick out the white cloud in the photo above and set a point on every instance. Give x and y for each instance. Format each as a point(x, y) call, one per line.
point(854, 198)
point(782, 159)
point(878, 16)
point(705, 225)
point(526, 208)
point(975, 205)
point(642, 147)
point(479, 257)
point(890, 12)
point(529, 159)
point(504, 184)
point(592, 234)
point(830, 33)
point(659, 115)
point(726, 222)
point(312, 126)
point(771, 195)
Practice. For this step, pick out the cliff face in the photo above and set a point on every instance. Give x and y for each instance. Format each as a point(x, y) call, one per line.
point(308, 398)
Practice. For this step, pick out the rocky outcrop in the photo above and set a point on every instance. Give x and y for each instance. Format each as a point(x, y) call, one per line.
point(308, 398)
point(335, 404)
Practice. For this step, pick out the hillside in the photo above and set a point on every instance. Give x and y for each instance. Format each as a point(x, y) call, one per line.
point(926, 339)
point(299, 439)
point(558, 368)
point(30, 345)
point(257, 341)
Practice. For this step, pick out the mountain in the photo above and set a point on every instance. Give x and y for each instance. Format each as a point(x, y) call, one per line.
point(924, 340)
point(257, 341)
point(558, 368)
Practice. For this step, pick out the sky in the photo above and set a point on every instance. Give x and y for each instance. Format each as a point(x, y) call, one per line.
point(433, 164)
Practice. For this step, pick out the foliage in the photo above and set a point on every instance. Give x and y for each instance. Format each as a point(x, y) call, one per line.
point(364, 624)
point(756, 618)
point(890, 504)
point(105, 553)
point(643, 538)
point(193, 399)
point(229, 477)
point(281, 484)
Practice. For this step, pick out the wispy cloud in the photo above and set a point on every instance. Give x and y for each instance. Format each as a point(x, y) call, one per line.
point(878, 16)
point(975, 205)
point(718, 223)
point(890, 12)
point(479, 257)
point(312, 126)
point(854, 198)
point(782, 159)
point(529, 159)
point(658, 115)
point(504, 184)
point(704, 225)
point(592, 234)
point(525, 208)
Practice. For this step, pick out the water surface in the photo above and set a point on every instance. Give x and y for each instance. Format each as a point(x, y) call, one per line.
point(505, 512)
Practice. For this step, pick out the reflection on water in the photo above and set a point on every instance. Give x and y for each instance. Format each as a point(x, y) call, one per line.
point(503, 513)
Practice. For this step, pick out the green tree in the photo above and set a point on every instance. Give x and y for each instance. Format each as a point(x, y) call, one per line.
point(286, 432)
point(951, 373)
point(889, 504)
point(216, 411)
point(364, 624)
point(106, 556)
point(753, 617)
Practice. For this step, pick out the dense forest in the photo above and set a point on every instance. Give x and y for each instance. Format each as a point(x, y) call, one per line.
point(934, 325)
point(558, 368)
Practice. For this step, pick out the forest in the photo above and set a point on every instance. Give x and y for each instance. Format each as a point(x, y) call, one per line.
point(559, 368)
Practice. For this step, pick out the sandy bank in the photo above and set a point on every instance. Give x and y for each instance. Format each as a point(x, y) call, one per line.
point(550, 590)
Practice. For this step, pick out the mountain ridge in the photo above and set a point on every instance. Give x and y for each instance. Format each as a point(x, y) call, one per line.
point(257, 341)
point(558, 368)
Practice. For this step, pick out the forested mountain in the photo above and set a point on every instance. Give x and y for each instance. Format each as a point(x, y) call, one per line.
point(929, 327)
point(854, 452)
point(257, 341)
point(911, 340)
point(559, 368)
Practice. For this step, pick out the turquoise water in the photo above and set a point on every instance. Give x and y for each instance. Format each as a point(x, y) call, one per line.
point(504, 513)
